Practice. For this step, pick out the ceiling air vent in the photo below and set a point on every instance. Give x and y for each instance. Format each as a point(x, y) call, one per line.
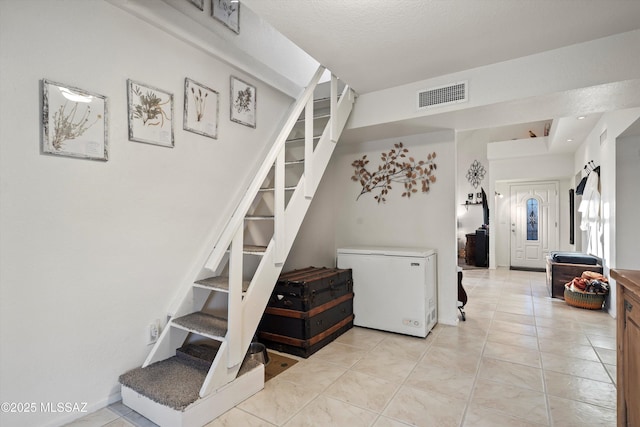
point(442, 95)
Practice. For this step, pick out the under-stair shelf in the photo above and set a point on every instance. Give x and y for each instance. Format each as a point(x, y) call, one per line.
point(259, 217)
point(219, 283)
point(204, 324)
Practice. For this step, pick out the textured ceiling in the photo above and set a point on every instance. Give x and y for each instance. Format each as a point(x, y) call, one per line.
point(377, 44)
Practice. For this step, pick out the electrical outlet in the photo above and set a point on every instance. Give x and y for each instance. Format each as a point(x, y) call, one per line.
point(154, 331)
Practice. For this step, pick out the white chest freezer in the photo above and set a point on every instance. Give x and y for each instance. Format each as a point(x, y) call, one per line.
point(394, 288)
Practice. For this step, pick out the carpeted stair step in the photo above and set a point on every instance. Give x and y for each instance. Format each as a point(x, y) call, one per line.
point(201, 354)
point(254, 249)
point(173, 382)
point(203, 324)
point(220, 283)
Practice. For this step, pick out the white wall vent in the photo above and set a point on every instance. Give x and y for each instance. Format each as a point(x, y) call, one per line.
point(442, 95)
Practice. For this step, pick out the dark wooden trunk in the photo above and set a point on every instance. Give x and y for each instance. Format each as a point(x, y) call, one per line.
point(308, 309)
point(311, 287)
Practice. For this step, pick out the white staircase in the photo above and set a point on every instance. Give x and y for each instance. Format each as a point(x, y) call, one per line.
point(224, 302)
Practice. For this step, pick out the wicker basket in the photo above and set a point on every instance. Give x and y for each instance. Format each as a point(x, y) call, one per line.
point(591, 301)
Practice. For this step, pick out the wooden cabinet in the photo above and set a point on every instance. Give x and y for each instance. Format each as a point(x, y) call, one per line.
point(470, 250)
point(477, 248)
point(628, 346)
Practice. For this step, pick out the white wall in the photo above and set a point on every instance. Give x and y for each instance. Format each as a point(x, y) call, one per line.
point(336, 219)
point(259, 49)
point(627, 202)
point(92, 252)
point(604, 154)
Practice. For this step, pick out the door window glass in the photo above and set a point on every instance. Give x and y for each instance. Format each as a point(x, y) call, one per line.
point(532, 219)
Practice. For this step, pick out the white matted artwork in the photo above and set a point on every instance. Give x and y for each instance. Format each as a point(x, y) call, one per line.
point(150, 114)
point(227, 12)
point(74, 122)
point(201, 106)
point(243, 102)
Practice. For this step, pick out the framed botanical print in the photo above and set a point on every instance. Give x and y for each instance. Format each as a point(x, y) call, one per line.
point(227, 12)
point(74, 122)
point(150, 114)
point(201, 105)
point(243, 102)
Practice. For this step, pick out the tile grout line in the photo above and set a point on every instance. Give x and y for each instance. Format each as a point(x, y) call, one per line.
point(477, 374)
point(542, 372)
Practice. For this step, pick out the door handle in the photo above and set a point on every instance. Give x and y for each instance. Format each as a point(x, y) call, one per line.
point(628, 306)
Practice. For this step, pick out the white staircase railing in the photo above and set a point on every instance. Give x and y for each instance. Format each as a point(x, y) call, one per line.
point(246, 305)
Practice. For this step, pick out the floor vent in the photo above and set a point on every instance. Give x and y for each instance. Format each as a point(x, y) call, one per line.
point(442, 95)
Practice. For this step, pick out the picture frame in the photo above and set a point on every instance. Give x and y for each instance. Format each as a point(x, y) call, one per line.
point(243, 102)
point(227, 12)
point(150, 114)
point(74, 122)
point(572, 217)
point(198, 3)
point(201, 109)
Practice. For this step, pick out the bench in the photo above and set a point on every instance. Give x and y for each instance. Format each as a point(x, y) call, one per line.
point(562, 267)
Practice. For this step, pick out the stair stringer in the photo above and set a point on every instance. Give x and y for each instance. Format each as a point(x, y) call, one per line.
point(266, 275)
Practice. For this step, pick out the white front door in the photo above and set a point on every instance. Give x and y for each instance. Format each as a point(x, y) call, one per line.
point(534, 223)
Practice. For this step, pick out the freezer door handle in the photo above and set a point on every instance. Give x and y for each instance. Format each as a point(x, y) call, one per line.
point(415, 264)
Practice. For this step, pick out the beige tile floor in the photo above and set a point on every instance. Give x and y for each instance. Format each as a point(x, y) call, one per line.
point(520, 359)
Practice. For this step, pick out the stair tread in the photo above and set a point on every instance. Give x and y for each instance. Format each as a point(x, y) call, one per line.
point(301, 139)
point(253, 249)
point(204, 324)
point(315, 117)
point(173, 382)
point(272, 188)
point(258, 217)
point(221, 283)
point(292, 162)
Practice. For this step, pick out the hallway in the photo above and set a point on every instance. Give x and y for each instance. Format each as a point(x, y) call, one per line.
point(520, 359)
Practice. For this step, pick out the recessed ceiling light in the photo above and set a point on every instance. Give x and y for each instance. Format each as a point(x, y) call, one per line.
point(569, 140)
point(581, 117)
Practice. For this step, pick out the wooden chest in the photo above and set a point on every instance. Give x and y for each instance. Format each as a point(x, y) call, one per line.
point(308, 309)
point(560, 273)
point(304, 289)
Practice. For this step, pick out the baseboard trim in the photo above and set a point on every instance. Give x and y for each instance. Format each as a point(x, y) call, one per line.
point(538, 270)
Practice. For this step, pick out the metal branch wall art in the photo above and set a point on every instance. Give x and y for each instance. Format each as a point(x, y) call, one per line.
point(475, 174)
point(395, 167)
